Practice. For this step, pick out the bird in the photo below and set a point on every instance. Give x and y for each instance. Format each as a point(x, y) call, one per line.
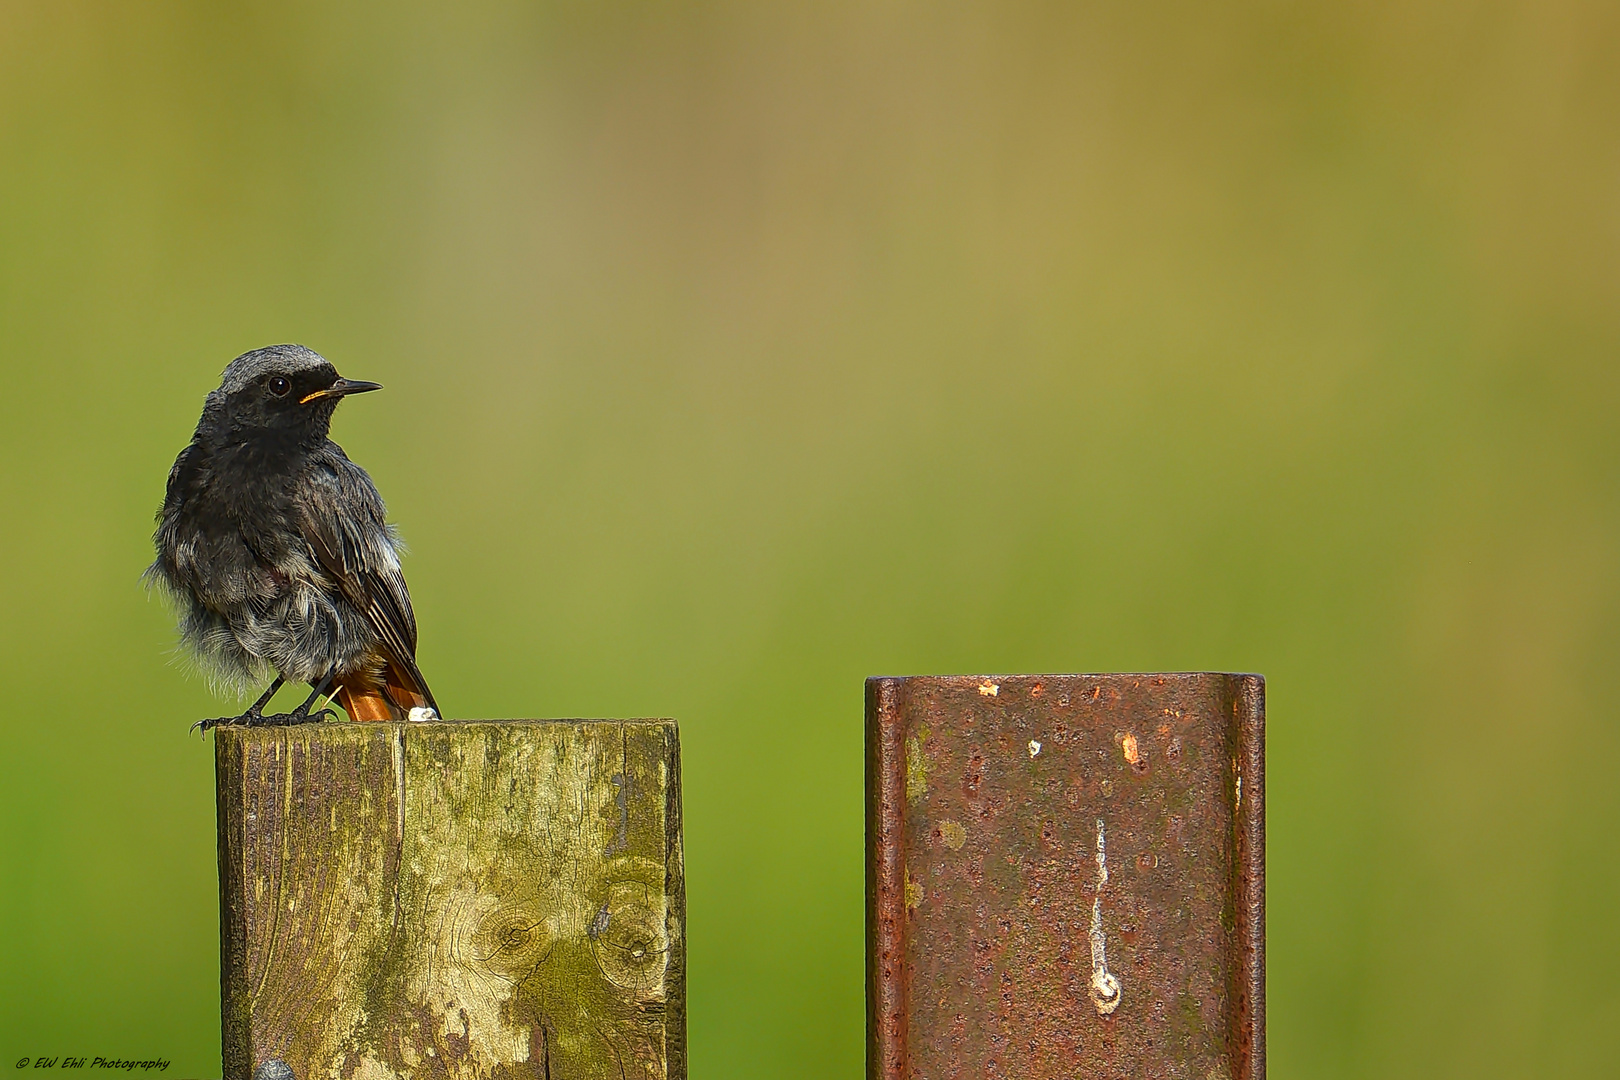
point(277, 553)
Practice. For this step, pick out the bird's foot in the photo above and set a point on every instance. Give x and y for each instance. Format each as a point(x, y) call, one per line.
point(250, 718)
point(300, 715)
point(255, 718)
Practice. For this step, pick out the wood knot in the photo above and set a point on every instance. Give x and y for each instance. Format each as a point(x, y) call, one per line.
point(629, 937)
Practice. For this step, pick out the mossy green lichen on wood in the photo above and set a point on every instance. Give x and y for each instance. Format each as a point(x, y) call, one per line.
point(522, 912)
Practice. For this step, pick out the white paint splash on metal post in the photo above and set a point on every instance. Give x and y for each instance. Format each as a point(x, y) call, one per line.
point(1104, 985)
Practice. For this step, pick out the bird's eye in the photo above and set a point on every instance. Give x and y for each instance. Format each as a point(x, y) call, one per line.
point(279, 385)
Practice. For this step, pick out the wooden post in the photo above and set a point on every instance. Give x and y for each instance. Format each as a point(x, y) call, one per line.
point(452, 899)
point(1066, 877)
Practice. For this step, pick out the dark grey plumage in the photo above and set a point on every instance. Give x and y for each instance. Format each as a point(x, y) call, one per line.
point(276, 547)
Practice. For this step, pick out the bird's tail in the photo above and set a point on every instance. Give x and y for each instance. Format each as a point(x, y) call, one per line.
point(394, 699)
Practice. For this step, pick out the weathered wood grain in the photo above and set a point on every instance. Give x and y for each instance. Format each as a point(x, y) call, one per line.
point(452, 899)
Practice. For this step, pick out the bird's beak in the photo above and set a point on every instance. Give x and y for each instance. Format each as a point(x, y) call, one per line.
point(341, 388)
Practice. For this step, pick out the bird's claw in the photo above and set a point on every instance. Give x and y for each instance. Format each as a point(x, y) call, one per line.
point(255, 719)
point(247, 719)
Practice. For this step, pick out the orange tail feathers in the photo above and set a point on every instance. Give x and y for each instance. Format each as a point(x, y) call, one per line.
point(363, 704)
point(363, 700)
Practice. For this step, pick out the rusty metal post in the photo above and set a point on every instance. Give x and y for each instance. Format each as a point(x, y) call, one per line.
point(1066, 877)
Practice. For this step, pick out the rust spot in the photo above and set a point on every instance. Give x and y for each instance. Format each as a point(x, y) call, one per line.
point(973, 778)
point(1134, 754)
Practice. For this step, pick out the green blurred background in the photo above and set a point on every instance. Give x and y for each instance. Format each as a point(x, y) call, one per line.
point(735, 352)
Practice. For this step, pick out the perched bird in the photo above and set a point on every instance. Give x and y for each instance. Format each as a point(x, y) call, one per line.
point(275, 547)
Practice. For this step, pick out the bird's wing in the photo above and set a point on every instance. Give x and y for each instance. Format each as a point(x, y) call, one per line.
point(342, 519)
point(179, 478)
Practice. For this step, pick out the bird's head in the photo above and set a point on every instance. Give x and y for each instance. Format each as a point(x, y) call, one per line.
point(284, 390)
